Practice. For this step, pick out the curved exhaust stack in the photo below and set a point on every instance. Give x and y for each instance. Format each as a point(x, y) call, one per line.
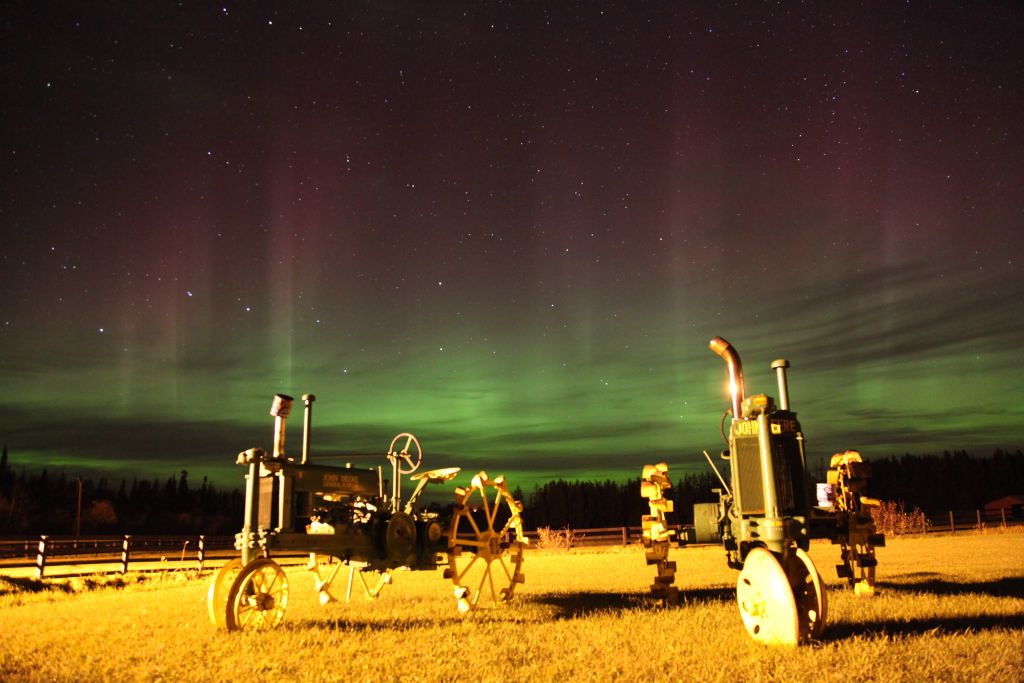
point(732, 359)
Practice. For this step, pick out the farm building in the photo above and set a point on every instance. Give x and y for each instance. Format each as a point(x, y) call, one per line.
point(1014, 506)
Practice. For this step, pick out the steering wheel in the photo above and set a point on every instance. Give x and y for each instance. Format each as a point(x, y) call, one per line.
point(404, 454)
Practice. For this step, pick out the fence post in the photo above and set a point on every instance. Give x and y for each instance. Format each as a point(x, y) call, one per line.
point(952, 524)
point(201, 551)
point(41, 557)
point(125, 550)
point(1003, 511)
point(980, 529)
point(625, 536)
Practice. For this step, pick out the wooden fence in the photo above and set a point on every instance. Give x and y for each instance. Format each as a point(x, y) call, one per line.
point(50, 552)
point(964, 521)
point(613, 535)
point(47, 552)
point(971, 520)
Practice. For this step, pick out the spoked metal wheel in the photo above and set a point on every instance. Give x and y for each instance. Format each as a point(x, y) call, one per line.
point(258, 597)
point(766, 600)
point(809, 595)
point(485, 544)
point(220, 586)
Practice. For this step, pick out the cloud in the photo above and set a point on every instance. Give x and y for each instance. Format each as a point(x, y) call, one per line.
point(889, 314)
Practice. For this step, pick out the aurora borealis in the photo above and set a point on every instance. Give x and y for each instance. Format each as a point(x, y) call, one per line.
point(508, 228)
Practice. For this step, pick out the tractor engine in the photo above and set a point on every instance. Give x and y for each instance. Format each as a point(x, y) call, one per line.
point(769, 501)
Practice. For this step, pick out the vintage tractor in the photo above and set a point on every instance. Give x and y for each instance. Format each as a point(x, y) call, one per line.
point(767, 517)
point(348, 516)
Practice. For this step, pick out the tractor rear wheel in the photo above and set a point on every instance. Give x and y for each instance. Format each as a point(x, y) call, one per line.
point(485, 544)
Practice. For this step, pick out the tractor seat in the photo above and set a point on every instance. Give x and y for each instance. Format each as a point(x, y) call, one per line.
point(437, 476)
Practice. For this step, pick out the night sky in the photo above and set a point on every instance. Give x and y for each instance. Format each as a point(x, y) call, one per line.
point(508, 228)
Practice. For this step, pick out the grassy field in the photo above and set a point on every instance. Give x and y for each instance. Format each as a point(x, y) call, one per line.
point(949, 608)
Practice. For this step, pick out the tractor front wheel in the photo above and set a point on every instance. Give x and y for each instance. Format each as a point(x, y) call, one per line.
point(258, 597)
point(809, 594)
point(766, 601)
point(220, 587)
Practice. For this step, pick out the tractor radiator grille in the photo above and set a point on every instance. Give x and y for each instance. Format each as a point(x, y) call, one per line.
point(789, 487)
point(789, 475)
point(748, 471)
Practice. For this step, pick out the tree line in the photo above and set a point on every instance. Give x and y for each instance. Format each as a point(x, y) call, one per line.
point(45, 502)
point(598, 505)
point(951, 481)
point(934, 483)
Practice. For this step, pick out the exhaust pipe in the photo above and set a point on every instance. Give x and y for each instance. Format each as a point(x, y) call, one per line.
point(280, 409)
point(732, 360)
point(307, 419)
point(779, 366)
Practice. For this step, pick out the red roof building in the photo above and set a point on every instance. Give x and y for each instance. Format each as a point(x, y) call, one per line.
point(1005, 502)
point(1012, 505)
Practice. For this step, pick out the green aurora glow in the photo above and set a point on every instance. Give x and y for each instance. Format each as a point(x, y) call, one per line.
point(523, 271)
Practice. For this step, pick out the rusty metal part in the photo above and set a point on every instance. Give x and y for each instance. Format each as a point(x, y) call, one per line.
point(856, 535)
point(656, 536)
point(280, 409)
